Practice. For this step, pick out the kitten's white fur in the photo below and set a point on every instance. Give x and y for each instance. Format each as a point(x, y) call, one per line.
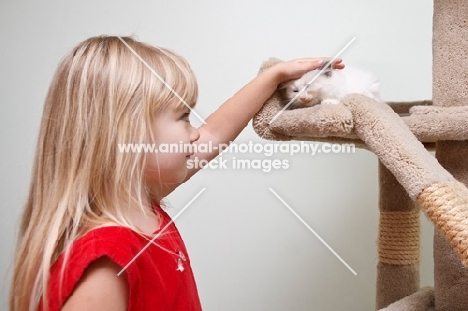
point(330, 87)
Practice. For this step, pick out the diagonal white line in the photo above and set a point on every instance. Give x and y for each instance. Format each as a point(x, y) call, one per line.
point(160, 232)
point(312, 80)
point(162, 80)
point(312, 230)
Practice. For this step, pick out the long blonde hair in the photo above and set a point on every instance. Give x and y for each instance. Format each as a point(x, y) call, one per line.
point(101, 95)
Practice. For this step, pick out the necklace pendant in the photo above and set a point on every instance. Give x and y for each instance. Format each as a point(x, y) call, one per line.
point(180, 265)
point(180, 262)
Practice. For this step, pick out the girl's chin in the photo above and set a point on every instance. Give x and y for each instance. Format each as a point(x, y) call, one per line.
point(174, 179)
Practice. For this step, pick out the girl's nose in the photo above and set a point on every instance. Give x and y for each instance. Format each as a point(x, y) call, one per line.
point(194, 134)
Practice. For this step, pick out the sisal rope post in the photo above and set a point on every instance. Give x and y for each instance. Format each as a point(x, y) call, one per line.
point(399, 237)
point(446, 205)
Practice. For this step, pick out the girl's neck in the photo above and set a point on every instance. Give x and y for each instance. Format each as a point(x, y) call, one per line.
point(147, 223)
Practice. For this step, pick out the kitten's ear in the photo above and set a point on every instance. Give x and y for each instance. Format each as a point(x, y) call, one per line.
point(282, 86)
point(327, 69)
point(327, 65)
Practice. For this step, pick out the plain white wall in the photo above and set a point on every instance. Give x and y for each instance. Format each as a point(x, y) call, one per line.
point(248, 251)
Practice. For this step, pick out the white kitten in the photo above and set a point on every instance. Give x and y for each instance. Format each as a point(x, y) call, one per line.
point(330, 87)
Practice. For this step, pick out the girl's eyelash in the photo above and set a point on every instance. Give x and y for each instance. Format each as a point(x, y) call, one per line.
point(186, 116)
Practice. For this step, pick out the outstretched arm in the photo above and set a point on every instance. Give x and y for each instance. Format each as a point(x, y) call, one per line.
point(226, 123)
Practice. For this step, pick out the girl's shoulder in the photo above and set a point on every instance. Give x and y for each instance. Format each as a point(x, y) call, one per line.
point(109, 238)
point(119, 244)
point(116, 242)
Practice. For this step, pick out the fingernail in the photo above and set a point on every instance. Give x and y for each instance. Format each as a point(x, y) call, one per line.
point(320, 62)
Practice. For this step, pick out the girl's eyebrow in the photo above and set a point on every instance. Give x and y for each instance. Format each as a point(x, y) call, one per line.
point(185, 110)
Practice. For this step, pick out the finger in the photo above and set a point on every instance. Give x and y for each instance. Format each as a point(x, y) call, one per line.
point(337, 64)
point(308, 64)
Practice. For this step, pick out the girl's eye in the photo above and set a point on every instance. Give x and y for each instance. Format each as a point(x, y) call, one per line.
point(185, 116)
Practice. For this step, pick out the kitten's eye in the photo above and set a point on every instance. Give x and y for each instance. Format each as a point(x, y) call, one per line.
point(295, 91)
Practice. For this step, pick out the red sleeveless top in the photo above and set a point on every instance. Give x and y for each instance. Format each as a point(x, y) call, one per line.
point(161, 278)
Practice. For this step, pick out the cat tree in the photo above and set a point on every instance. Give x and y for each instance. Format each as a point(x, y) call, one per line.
point(410, 178)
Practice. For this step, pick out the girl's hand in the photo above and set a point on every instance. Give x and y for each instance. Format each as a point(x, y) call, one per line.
point(294, 69)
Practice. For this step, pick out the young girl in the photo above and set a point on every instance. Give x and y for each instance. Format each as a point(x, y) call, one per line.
point(91, 209)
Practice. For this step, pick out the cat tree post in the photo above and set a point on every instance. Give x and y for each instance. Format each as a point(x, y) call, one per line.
point(450, 88)
point(398, 242)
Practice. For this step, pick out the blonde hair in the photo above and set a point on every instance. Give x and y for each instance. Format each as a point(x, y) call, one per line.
point(101, 95)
